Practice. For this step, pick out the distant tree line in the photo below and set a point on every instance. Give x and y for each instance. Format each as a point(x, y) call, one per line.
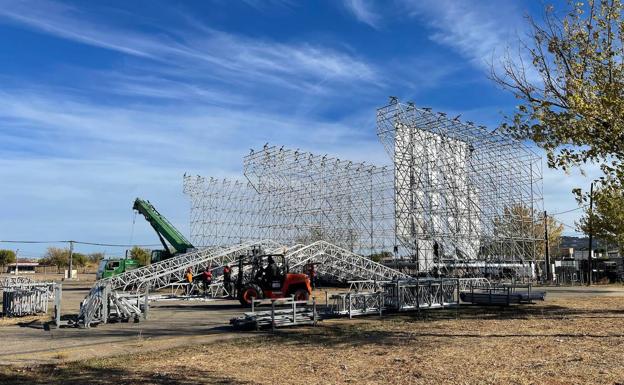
point(59, 257)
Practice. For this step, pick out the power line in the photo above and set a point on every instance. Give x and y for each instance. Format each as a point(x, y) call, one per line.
point(568, 211)
point(84, 243)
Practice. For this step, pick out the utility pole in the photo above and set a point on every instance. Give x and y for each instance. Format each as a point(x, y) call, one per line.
point(547, 252)
point(71, 264)
point(591, 214)
point(16, 261)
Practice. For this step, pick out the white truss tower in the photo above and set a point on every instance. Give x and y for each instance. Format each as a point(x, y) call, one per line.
point(462, 194)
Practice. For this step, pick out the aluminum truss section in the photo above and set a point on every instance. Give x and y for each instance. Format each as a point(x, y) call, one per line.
point(428, 293)
point(157, 276)
point(396, 296)
point(340, 264)
point(462, 193)
point(162, 274)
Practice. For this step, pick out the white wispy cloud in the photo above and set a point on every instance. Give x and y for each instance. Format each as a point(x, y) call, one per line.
point(480, 31)
point(363, 11)
point(300, 65)
point(71, 159)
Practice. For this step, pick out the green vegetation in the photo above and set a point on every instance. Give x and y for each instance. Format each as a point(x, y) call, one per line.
point(607, 218)
point(569, 79)
point(7, 257)
point(378, 257)
point(520, 222)
point(141, 255)
point(56, 256)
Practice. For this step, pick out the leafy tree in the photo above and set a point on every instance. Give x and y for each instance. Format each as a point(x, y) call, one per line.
point(56, 256)
point(524, 226)
point(7, 257)
point(569, 79)
point(140, 254)
point(607, 217)
point(79, 260)
point(95, 258)
point(378, 257)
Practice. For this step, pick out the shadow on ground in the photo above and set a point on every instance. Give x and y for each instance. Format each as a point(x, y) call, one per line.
point(361, 333)
point(87, 374)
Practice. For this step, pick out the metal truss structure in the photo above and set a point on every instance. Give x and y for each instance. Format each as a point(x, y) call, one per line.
point(398, 295)
point(340, 264)
point(462, 194)
point(157, 276)
point(457, 199)
point(296, 197)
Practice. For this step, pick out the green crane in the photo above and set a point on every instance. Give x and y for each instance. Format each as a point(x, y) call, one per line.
point(172, 239)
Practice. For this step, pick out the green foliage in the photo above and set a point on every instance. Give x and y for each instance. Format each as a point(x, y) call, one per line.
point(79, 260)
point(95, 258)
point(56, 256)
point(378, 257)
point(7, 257)
point(524, 226)
point(569, 80)
point(140, 254)
point(607, 218)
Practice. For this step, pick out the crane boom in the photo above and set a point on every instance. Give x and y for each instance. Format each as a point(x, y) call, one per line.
point(164, 229)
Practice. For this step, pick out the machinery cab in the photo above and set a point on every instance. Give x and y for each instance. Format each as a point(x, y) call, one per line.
point(160, 255)
point(114, 266)
point(267, 276)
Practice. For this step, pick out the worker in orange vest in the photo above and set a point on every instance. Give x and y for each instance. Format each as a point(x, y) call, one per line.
point(189, 280)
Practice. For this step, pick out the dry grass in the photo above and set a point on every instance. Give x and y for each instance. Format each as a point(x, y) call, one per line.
point(563, 341)
point(7, 321)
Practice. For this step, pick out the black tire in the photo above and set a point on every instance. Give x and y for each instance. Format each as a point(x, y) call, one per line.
point(249, 291)
point(301, 295)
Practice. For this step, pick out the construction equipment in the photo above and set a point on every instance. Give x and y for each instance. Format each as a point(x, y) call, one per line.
point(266, 278)
point(172, 240)
point(115, 266)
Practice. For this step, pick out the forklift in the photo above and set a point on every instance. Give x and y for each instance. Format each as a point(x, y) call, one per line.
point(269, 278)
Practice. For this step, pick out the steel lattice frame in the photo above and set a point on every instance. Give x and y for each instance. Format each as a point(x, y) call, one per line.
point(462, 194)
point(296, 197)
point(456, 198)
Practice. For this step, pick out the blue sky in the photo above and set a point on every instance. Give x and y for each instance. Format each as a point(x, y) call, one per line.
point(101, 102)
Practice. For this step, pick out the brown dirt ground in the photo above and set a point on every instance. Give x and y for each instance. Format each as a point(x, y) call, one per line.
point(561, 341)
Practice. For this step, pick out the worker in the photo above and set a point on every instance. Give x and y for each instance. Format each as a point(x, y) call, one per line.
point(227, 280)
point(312, 275)
point(272, 268)
point(189, 280)
point(206, 280)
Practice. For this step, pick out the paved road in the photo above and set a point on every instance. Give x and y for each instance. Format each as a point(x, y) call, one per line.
point(170, 323)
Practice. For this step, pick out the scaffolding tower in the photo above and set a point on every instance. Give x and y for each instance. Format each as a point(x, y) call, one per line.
point(456, 200)
point(465, 197)
point(296, 197)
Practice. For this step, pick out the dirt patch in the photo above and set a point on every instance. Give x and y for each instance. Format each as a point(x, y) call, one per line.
point(562, 341)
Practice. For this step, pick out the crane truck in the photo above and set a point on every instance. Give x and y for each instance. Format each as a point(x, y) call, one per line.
point(171, 238)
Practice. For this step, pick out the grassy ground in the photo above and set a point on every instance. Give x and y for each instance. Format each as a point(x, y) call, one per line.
point(561, 341)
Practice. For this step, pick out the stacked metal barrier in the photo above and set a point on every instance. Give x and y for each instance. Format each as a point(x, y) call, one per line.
point(22, 296)
point(284, 312)
point(22, 302)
